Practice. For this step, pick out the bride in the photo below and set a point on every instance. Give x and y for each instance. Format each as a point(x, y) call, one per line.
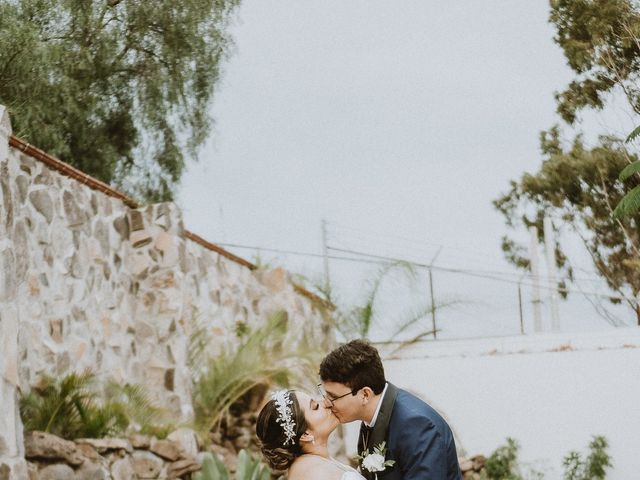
point(293, 429)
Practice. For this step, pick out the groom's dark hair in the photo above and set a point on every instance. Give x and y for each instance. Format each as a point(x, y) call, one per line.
point(355, 364)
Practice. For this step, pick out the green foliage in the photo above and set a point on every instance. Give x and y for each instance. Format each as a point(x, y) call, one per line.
point(579, 187)
point(139, 409)
point(633, 135)
point(503, 463)
point(70, 407)
point(629, 170)
point(357, 321)
point(248, 468)
point(600, 41)
point(593, 467)
point(262, 356)
point(118, 88)
point(630, 203)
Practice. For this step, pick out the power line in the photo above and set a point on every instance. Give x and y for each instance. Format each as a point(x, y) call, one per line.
point(470, 254)
point(383, 260)
point(474, 274)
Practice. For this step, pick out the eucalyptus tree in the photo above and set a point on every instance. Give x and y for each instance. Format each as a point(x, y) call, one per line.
point(580, 186)
point(120, 89)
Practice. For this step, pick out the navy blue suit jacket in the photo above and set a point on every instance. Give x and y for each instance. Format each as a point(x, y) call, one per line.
point(417, 438)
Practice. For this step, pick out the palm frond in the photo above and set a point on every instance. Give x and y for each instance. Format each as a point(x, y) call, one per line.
point(633, 135)
point(72, 407)
point(629, 170)
point(262, 357)
point(629, 204)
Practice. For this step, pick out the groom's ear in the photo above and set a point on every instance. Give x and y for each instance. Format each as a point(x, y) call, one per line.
point(367, 394)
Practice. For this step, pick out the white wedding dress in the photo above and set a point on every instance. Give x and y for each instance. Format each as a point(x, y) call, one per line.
point(349, 473)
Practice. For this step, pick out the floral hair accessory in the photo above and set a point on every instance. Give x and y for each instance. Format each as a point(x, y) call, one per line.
point(283, 402)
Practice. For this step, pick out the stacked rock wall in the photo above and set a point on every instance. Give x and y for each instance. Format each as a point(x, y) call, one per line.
point(88, 282)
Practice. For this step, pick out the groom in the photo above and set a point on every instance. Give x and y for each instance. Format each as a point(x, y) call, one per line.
point(417, 438)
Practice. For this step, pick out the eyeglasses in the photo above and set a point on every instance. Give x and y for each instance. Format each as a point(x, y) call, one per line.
point(323, 393)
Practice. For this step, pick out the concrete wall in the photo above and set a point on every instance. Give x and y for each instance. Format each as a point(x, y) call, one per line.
point(551, 392)
point(88, 282)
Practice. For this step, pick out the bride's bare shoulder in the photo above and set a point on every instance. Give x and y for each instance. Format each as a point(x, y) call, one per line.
point(312, 467)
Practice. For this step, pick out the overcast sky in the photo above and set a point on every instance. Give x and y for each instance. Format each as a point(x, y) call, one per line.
point(397, 122)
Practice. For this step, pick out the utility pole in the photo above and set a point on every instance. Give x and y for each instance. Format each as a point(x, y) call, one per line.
point(550, 249)
point(520, 305)
point(535, 273)
point(325, 255)
point(433, 300)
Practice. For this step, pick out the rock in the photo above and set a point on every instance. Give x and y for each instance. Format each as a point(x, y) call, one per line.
point(187, 439)
point(41, 201)
point(102, 235)
point(75, 215)
point(166, 449)
point(144, 330)
point(57, 471)
point(122, 469)
point(169, 379)
point(23, 186)
point(32, 471)
point(275, 279)
point(121, 224)
point(182, 467)
point(140, 441)
point(41, 445)
point(243, 441)
point(466, 465)
point(93, 471)
point(139, 263)
point(6, 196)
point(14, 469)
point(146, 464)
point(21, 246)
point(88, 452)
point(8, 281)
point(55, 330)
point(105, 444)
point(479, 462)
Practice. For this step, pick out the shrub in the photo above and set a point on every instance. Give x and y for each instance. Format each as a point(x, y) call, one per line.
point(503, 463)
point(593, 467)
point(71, 407)
point(260, 356)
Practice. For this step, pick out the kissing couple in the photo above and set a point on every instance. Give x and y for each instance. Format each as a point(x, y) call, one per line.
point(401, 437)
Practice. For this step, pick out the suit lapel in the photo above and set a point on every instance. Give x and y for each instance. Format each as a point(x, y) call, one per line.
point(380, 429)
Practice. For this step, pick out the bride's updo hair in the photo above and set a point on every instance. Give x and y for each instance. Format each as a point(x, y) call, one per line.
point(278, 448)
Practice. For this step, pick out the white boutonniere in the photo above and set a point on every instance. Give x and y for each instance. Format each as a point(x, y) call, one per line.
point(375, 462)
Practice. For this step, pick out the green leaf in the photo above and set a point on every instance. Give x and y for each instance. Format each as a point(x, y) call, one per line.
point(629, 204)
point(633, 135)
point(629, 170)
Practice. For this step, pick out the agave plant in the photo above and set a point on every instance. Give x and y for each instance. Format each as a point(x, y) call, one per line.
point(261, 357)
point(71, 407)
point(248, 468)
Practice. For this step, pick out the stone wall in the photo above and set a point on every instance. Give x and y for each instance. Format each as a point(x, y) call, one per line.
point(86, 281)
point(50, 457)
